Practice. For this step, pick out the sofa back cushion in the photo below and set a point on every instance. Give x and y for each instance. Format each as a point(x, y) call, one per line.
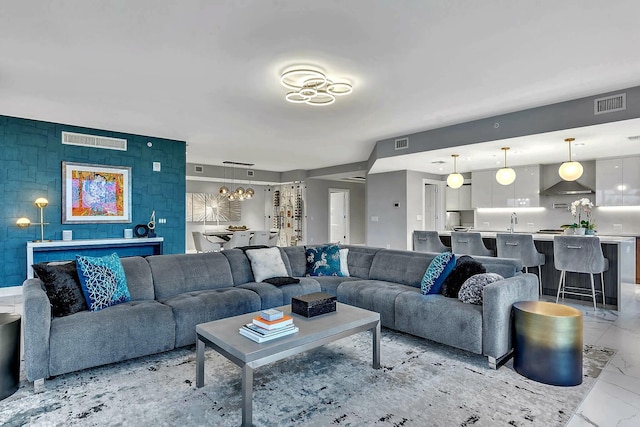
point(506, 267)
point(240, 266)
point(139, 279)
point(404, 267)
point(176, 274)
point(359, 260)
point(295, 260)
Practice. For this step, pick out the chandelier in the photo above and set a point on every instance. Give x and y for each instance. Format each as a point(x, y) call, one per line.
point(312, 87)
point(240, 193)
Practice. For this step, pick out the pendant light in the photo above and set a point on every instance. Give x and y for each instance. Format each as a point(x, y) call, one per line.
point(505, 175)
point(455, 180)
point(570, 171)
point(224, 190)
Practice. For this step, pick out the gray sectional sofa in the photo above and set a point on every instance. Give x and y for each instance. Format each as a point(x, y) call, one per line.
point(170, 294)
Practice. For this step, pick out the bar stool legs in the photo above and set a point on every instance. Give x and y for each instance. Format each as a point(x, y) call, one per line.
point(561, 288)
point(526, 269)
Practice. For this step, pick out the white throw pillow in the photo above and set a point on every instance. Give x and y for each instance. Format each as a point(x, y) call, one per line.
point(266, 263)
point(344, 267)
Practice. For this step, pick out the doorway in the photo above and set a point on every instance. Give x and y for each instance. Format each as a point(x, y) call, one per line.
point(430, 207)
point(339, 215)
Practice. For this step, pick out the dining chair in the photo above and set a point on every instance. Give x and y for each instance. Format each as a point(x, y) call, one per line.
point(522, 247)
point(238, 239)
point(259, 238)
point(579, 254)
point(273, 239)
point(428, 241)
point(203, 244)
point(468, 243)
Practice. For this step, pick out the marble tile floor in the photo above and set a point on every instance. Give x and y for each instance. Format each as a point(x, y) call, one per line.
point(614, 400)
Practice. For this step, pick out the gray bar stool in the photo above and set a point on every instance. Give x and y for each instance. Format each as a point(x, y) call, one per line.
point(521, 246)
point(428, 241)
point(465, 243)
point(579, 254)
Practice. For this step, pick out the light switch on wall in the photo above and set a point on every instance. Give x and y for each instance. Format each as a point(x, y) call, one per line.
point(156, 166)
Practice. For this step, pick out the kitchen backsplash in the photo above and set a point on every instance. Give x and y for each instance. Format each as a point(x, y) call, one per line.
point(609, 221)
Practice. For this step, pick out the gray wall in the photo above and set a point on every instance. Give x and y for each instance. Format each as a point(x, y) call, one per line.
point(317, 206)
point(390, 229)
point(563, 115)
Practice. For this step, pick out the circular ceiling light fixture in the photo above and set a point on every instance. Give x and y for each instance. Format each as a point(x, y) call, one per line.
point(455, 180)
point(570, 171)
point(312, 87)
point(505, 175)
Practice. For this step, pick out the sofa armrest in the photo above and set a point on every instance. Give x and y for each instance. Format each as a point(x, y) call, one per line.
point(497, 301)
point(37, 327)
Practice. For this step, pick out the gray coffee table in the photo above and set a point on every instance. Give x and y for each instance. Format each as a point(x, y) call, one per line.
point(222, 335)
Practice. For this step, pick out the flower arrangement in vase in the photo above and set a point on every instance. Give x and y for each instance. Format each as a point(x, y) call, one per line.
point(582, 210)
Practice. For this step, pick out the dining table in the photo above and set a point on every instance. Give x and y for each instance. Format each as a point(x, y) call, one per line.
point(225, 235)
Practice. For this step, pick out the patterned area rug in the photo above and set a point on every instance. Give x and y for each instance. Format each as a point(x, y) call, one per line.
point(421, 383)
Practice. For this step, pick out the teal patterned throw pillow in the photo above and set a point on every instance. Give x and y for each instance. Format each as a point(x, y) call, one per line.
point(323, 261)
point(103, 281)
point(441, 266)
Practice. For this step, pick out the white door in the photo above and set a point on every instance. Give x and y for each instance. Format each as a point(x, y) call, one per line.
point(339, 215)
point(430, 206)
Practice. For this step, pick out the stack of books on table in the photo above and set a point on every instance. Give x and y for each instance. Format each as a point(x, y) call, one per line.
point(270, 324)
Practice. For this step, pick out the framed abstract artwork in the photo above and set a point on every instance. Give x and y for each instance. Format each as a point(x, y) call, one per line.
point(95, 193)
point(205, 207)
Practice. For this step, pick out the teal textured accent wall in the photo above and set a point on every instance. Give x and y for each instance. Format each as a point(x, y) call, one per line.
point(31, 156)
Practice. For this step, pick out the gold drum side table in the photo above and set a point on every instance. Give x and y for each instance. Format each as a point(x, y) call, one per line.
point(9, 354)
point(548, 342)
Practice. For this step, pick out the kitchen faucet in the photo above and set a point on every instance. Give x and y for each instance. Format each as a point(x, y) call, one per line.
point(513, 221)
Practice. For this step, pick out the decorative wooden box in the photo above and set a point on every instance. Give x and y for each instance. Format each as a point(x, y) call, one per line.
point(315, 304)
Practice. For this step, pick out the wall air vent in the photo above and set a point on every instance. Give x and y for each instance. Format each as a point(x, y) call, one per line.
point(609, 104)
point(83, 140)
point(402, 143)
point(198, 169)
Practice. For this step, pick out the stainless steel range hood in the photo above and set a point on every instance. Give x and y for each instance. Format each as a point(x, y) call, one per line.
point(567, 188)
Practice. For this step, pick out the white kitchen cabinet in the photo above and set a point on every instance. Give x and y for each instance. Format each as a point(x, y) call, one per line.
point(631, 181)
point(481, 188)
point(503, 195)
point(618, 182)
point(523, 192)
point(458, 199)
point(527, 186)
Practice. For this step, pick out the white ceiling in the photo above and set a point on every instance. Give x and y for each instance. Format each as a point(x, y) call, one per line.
point(208, 71)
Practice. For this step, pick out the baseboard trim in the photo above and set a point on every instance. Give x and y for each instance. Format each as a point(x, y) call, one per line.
point(11, 291)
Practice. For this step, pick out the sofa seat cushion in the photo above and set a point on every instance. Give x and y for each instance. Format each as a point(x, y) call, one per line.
point(440, 319)
point(375, 295)
point(192, 308)
point(270, 295)
point(121, 332)
point(329, 284)
point(307, 285)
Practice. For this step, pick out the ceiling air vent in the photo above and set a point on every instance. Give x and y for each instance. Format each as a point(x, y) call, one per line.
point(83, 140)
point(360, 179)
point(402, 143)
point(609, 104)
point(198, 169)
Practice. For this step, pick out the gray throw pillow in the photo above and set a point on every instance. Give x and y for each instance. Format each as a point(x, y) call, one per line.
point(471, 290)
